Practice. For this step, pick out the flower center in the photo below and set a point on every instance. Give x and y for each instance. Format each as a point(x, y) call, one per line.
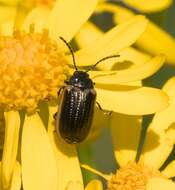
point(32, 68)
point(132, 177)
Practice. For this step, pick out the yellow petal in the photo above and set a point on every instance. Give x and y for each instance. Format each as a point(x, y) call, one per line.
point(38, 16)
point(169, 88)
point(150, 40)
point(7, 28)
point(67, 17)
point(140, 72)
point(7, 13)
point(74, 186)
point(120, 14)
point(112, 42)
point(66, 157)
point(131, 100)
point(1, 176)
point(129, 58)
point(39, 170)
point(134, 56)
point(155, 35)
point(89, 33)
point(125, 132)
point(149, 5)
point(160, 184)
point(160, 137)
point(10, 2)
point(94, 185)
point(7, 18)
point(16, 179)
point(98, 124)
point(169, 171)
point(12, 122)
point(165, 118)
point(15, 183)
point(156, 149)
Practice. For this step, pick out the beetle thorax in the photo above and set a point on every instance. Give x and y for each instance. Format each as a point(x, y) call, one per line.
point(81, 79)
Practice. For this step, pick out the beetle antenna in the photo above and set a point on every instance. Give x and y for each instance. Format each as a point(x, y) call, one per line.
point(103, 59)
point(72, 53)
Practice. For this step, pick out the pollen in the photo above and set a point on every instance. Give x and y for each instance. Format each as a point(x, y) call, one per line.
point(32, 68)
point(132, 177)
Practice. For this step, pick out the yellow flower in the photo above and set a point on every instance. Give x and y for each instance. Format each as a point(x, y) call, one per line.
point(25, 58)
point(34, 66)
point(153, 41)
point(147, 173)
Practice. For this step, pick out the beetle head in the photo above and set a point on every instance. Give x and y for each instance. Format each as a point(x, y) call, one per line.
point(81, 79)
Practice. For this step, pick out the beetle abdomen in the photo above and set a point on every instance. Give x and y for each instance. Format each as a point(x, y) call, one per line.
point(76, 113)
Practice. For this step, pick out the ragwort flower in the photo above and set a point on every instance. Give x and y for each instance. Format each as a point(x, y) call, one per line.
point(34, 65)
point(154, 40)
point(147, 173)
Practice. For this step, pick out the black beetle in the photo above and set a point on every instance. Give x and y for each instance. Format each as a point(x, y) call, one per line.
point(76, 110)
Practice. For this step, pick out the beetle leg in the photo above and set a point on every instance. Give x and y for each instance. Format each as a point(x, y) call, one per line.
point(55, 116)
point(66, 81)
point(47, 98)
point(105, 112)
point(109, 113)
point(59, 91)
point(58, 94)
point(100, 108)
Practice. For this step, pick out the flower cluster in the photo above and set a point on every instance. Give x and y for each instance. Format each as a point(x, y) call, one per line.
point(26, 57)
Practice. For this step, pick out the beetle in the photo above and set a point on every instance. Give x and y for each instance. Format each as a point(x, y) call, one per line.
point(76, 110)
